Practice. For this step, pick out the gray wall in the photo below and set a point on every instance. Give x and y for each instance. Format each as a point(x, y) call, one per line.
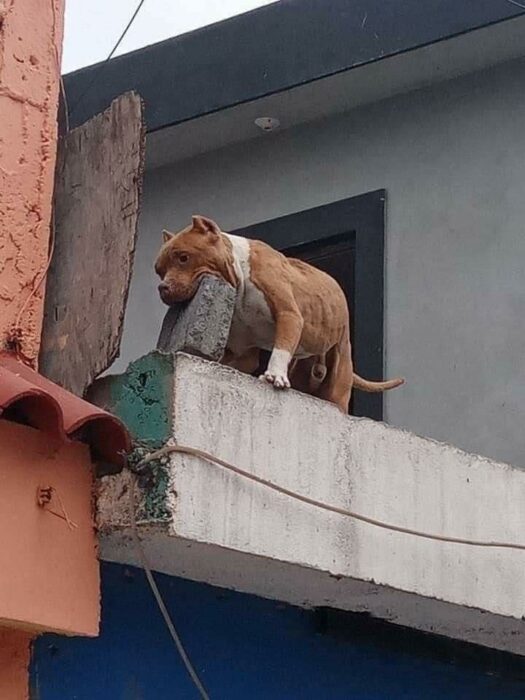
point(452, 158)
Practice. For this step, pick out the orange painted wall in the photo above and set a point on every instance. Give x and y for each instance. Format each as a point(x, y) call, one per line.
point(30, 49)
point(49, 573)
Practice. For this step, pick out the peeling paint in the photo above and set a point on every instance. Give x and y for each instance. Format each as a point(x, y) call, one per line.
point(153, 483)
point(142, 399)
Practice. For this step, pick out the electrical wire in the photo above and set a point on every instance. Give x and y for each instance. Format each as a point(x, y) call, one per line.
point(517, 4)
point(64, 101)
point(182, 449)
point(58, 68)
point(158, 597)
point(98, 68)
point(15, 336)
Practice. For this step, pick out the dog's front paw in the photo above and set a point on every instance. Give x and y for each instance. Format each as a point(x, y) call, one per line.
point(279, 381)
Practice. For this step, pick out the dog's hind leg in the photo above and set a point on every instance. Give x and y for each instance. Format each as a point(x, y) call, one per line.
point(247, 362)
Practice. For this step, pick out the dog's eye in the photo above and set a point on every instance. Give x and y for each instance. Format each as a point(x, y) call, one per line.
point(183, 258)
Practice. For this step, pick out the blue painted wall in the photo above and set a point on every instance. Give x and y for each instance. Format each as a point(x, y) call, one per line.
point(243, 647)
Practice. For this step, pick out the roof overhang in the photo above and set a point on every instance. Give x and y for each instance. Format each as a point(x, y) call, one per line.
point(30, 398)
point(298, 60)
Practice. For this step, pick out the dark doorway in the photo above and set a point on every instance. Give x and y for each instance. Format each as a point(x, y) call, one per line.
point(336, 257)
point(346, 240)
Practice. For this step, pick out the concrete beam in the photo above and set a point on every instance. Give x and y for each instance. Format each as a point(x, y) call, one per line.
point(222, 529)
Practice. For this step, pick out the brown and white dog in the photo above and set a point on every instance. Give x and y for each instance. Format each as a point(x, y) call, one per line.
point(283, 305)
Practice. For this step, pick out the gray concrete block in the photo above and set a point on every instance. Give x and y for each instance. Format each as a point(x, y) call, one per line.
point(202, 326)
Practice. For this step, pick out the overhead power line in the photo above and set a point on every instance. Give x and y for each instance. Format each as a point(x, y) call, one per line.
point(99, 68)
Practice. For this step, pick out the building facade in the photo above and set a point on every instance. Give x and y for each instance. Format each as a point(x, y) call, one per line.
point(424, 119)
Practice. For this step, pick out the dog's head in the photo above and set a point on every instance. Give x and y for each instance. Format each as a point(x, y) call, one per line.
point(200, 249)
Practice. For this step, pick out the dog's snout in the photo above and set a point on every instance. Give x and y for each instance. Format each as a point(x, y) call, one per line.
point(163, 287)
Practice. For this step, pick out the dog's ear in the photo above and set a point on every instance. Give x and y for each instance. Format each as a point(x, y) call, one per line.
point(167, 236)
point(205, 225)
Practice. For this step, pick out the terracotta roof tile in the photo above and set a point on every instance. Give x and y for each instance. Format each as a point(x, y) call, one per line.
point(29, 397)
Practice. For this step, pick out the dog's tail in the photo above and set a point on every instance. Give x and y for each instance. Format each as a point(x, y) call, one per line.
point(375, 387)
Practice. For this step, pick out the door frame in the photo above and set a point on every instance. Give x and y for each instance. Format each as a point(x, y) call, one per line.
point(364, 217)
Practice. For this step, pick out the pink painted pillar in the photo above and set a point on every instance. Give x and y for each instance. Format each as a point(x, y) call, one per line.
point(30, 50)
point(14, 663)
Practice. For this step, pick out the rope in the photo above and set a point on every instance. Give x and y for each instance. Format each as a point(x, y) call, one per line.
point(181, 449)
point(160, 602)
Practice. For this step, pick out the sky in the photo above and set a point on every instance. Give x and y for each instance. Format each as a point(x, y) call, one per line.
point(92, 27)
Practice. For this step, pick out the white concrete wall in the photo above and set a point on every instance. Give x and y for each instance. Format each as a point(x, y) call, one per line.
point(452, 158)
point(231, 532)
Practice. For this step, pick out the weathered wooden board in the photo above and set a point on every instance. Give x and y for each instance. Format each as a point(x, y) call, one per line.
point(97, 200)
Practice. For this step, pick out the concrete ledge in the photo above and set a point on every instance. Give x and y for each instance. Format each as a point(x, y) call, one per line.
point(220, 528)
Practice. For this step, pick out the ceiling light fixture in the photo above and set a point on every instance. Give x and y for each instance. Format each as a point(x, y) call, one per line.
point(267, 123)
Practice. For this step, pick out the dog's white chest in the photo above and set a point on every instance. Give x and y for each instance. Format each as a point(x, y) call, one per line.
point(252, 323)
